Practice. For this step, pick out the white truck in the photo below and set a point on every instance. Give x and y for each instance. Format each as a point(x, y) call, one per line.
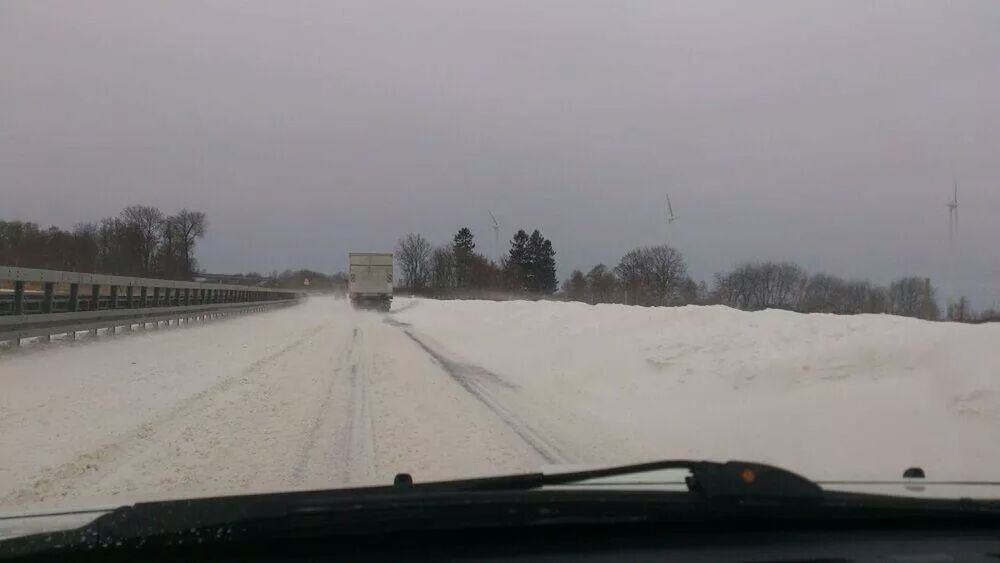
point(369, 284)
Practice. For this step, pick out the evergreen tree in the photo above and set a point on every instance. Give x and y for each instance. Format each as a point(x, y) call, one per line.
point(532, 262)
point(545, 267)
point(540, 274)
point(463, 251)
point(517, 260)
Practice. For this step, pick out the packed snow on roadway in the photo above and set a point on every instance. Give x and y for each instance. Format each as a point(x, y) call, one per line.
point(319, 395)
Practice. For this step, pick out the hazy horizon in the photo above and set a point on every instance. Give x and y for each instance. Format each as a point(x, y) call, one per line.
point(829, 134)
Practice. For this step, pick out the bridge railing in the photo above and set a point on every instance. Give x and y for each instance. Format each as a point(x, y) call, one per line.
point(42, 303)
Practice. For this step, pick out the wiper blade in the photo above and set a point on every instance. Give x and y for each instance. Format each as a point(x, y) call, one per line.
point(246, 517)
point(738, 480)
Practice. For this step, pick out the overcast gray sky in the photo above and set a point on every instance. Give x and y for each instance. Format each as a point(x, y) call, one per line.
point(823, 132)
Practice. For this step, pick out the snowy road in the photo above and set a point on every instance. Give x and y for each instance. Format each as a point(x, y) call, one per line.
point(313, 396)
point(319, 395)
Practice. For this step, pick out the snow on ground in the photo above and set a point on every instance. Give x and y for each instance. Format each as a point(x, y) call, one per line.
point(311, 396)
point(836, 397)
point(318, 395)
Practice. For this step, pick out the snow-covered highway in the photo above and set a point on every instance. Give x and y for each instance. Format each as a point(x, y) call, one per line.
point(312, 396)
point(319, 395)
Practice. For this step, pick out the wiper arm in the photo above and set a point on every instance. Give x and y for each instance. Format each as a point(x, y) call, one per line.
point(244, 518)
point(737, 480)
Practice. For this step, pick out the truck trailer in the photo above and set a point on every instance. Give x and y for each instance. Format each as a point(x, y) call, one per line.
point(369, 284)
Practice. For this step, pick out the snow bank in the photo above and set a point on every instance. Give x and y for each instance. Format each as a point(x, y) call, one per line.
point(831, 396)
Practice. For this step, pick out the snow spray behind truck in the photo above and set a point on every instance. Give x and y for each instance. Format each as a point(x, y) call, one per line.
point(370, 280)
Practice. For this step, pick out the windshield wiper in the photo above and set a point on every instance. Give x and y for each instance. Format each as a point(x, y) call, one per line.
point(715, 491)
point(709, 479)
point(230, 518)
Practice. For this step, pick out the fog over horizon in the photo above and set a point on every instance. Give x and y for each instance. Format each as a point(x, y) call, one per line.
point(825, 133)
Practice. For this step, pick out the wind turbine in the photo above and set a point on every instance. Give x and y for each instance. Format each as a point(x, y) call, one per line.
point(496, 237)
point(952, 206)
point(670, 212)
point(953, 215)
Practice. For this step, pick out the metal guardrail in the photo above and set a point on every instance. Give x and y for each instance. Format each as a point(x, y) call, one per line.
point(42, 303)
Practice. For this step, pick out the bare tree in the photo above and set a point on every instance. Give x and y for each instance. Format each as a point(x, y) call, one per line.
point(633, 270)
point(188, 226)
point(732, 288)
point(117, 247)
point(575, 287)
point(824, 293)
point(442, 268)
point(145, 224)
point(654, 275)
point(667, 276)
point(990, 315)
point(168, 259)
point(755, 286)
point(913, 297)
point(960, 311)
point(601, 284)
point(414, 252)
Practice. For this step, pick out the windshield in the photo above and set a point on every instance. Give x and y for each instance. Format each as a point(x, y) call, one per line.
point(258, 247)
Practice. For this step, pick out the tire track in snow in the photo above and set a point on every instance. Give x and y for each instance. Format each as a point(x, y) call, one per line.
point(358, 437)
point(305, 453)
point(480, 383)
point(88, 466)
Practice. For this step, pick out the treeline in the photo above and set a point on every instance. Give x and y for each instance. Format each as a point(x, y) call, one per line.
point(456, 269)
point(140, 241)
point(310, 279)
point(288, 279)
point(651, 275)
point(658, 275)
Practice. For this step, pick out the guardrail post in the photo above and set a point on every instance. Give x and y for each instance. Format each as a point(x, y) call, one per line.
point(114, 297)
point(47, 301)
point(143, 294)
point(47, 306)
point(74, 298)
point(18, 297)
point(95, 302)
point(129, 304)
point(156, 296)
point(73, 305)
